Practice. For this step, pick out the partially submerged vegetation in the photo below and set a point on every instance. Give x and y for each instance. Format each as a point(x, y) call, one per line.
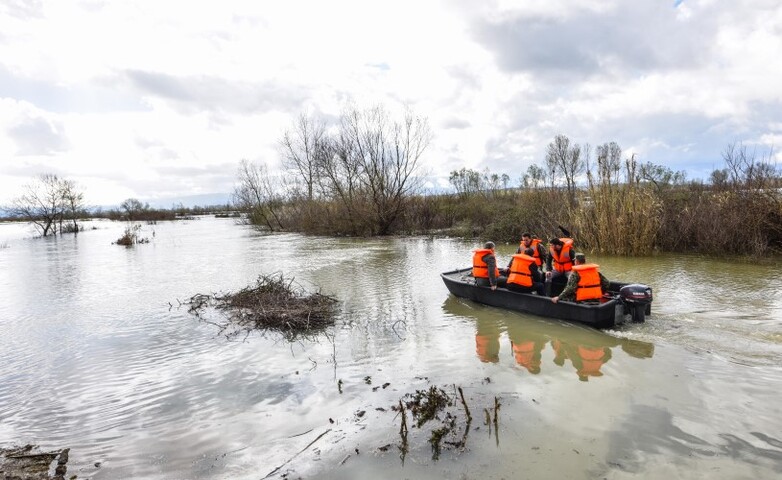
point(273, 304)
point(436, 405)
point(131, 236)
point(362, 176)
point(29, 463)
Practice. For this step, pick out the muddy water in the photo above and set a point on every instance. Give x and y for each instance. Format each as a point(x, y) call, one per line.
point(96, 356)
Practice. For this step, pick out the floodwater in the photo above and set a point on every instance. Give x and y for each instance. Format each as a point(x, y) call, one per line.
point(97, 356)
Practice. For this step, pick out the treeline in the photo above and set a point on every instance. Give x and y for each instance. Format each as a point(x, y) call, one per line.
point(361, 175)
point(353, 177)
point(56, 205)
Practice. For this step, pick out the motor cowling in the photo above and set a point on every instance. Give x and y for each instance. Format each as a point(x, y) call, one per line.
point(636, 298)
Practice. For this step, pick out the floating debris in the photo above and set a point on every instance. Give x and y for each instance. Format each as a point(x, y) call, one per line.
point(272, 304)
point(30, 464)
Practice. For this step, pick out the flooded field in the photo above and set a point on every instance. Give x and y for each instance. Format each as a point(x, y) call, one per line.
point(98, 356)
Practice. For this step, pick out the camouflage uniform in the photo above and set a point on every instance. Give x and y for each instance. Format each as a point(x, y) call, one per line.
point(569, 293)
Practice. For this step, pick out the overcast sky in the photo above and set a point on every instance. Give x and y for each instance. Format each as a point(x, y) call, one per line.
point(159, 99)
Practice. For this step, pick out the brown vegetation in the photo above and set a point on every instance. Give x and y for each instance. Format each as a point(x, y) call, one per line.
point(342, 187)
point(272, 304)
point(131, 236)
point(29, 463)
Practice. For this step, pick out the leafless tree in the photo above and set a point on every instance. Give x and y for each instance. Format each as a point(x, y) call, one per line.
point(73, 203)
point(45, 202)
point(133, 208)
point(746, 170)
point(661, 176)
point(382, 156)
point(257, 195)
point(299, 148)
point(609, 163)
point(534, 178)
point(564, 161)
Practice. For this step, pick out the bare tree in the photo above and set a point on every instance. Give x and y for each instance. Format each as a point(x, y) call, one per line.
point(299, 148)
point(386, 154)
point(609, 162)
point(661, 176)
point(564, 161)
point(746, 170)
point(257, 195)
point(534, 178)
point(41, 203)
point(339, 177)
point(73, 202)
point(466, 181)
point(133, 208)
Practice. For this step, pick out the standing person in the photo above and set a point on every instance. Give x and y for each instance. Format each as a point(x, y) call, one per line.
point(585, 282)
point(484, 267)
point(523, 273)
point(538, 250)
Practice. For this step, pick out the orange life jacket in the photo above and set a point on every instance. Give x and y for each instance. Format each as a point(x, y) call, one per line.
point(519, 270)
point(562, 261)
point(536, 251)
point(479, 267)
point(588, 282)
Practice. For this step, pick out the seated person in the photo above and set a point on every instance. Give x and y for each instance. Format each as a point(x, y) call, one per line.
point(484, 267)
point(559, 260)
point(538, 250)
point(585, 282)
point(523, 273)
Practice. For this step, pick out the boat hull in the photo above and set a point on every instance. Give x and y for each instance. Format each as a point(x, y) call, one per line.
point(609, 312)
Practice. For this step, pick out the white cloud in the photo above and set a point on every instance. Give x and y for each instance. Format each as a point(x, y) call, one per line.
point(149, 99)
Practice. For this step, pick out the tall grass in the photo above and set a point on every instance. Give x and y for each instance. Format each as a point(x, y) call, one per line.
point(619, 217)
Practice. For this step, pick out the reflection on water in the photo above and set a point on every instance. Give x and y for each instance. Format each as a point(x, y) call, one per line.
point(582, 349)
point(94, 358)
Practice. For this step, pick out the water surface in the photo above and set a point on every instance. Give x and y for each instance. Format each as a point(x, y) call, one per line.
point(98, 357)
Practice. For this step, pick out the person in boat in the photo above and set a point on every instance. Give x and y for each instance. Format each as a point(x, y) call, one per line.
point(538, 250)
point(484, 267)
point(560, 260)
point(584, 283)
point(523, 274)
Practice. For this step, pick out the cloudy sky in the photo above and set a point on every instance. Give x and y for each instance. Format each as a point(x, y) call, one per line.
point(161, 99)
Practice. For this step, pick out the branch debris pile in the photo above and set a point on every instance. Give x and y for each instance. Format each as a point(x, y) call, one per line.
point(272, 304)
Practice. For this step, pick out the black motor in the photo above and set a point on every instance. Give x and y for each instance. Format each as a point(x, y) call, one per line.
point(637, 299)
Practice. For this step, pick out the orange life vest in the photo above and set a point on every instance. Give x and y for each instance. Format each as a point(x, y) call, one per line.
point(519, 270)
point(536, 251)
point(562, 261)
point(479, 267)
point(588, 282)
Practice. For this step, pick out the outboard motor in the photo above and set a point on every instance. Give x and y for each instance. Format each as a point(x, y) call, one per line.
point(637, 300)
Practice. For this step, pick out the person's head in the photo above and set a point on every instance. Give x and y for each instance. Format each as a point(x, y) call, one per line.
point(556, 244)
point(529, 251)
point(580, 259)
point(489, 245)
point(526, 238)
